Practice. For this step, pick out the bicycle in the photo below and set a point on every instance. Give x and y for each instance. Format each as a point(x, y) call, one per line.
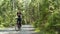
point(18, 26)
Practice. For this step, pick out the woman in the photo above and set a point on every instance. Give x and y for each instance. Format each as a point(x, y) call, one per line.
point(19, 20)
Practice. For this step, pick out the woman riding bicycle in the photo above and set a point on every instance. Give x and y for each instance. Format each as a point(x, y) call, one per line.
point(19, 20)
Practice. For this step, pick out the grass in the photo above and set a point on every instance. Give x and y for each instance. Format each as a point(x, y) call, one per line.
point(37, 30)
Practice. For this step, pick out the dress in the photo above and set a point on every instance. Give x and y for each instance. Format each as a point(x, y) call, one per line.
point(19, 20)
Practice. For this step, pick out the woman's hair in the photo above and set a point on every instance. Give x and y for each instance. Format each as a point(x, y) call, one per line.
point(19, 12)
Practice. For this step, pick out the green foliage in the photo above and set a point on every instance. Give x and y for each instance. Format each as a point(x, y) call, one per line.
point(43, 14)
point(7, 15)
point(46, 14)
